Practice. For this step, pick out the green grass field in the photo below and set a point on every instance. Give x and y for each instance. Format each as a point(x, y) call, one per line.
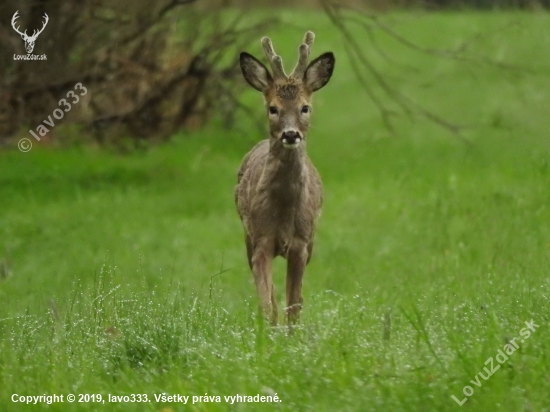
point(128, 273)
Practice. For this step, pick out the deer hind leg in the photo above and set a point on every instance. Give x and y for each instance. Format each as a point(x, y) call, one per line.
point(296, 265)
point(249, 250)
point(262, 258)
point(274, 307)
point(309, 251)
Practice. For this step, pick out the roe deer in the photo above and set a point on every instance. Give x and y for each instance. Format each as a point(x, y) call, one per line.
point(279, 192)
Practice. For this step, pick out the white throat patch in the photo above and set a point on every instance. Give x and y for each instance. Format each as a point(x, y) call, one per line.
point(292, 145)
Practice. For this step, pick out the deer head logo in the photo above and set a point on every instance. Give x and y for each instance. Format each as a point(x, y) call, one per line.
point(29, 40)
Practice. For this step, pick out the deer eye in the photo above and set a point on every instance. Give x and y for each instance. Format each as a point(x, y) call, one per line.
point(273, 110)
point(306, 109)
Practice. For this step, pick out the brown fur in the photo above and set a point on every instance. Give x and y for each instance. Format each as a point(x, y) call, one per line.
point(287, 91)
point(279, 192)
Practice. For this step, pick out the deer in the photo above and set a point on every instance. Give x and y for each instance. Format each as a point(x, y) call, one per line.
point(279, 193)
point(29, 40)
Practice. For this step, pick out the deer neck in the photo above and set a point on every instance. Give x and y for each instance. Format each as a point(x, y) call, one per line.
point(285, 169)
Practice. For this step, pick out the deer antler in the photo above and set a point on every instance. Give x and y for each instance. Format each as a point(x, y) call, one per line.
point(303, 57)
point(35, 32)
point(14, 18)
point(274, 60)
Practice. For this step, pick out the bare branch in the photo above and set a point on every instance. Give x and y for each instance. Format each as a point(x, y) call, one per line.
point(357, 56)
point(454, 54)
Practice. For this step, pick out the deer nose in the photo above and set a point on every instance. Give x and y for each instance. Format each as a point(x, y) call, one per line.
point(290, 137)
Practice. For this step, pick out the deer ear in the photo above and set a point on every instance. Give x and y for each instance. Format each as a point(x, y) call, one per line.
point(254, 72)
point(319, 71)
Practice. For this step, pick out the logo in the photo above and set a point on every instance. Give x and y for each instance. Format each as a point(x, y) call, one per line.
point(29, 40)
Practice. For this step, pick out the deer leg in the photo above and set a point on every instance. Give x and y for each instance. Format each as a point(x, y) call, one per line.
point(296, 265)
point(262, 258)
point(309, 251)
point(249, 249)
point(274, 307)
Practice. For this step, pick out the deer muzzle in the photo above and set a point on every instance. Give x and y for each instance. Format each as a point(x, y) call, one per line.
point(291, 139)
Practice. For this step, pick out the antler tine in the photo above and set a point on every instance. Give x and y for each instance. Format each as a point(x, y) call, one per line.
point(303, 56)
point(309, 37)
point(44, 24)
point(13, 20)
point(275, 61)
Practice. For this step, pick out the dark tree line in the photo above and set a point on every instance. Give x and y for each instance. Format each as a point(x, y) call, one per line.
point(150, 67)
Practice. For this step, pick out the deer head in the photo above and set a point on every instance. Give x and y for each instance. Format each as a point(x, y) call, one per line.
point(29, 40)
point(288, 98)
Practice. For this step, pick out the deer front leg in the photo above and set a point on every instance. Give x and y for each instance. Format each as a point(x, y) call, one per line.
point(296, 265)
point(262, 258)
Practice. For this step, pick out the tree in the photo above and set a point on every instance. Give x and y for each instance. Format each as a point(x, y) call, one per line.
point(149, 69)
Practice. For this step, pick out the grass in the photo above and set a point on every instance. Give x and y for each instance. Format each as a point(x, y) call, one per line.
point(128, 273)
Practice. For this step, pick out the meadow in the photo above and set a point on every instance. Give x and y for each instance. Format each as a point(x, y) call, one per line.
point(128, 273)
